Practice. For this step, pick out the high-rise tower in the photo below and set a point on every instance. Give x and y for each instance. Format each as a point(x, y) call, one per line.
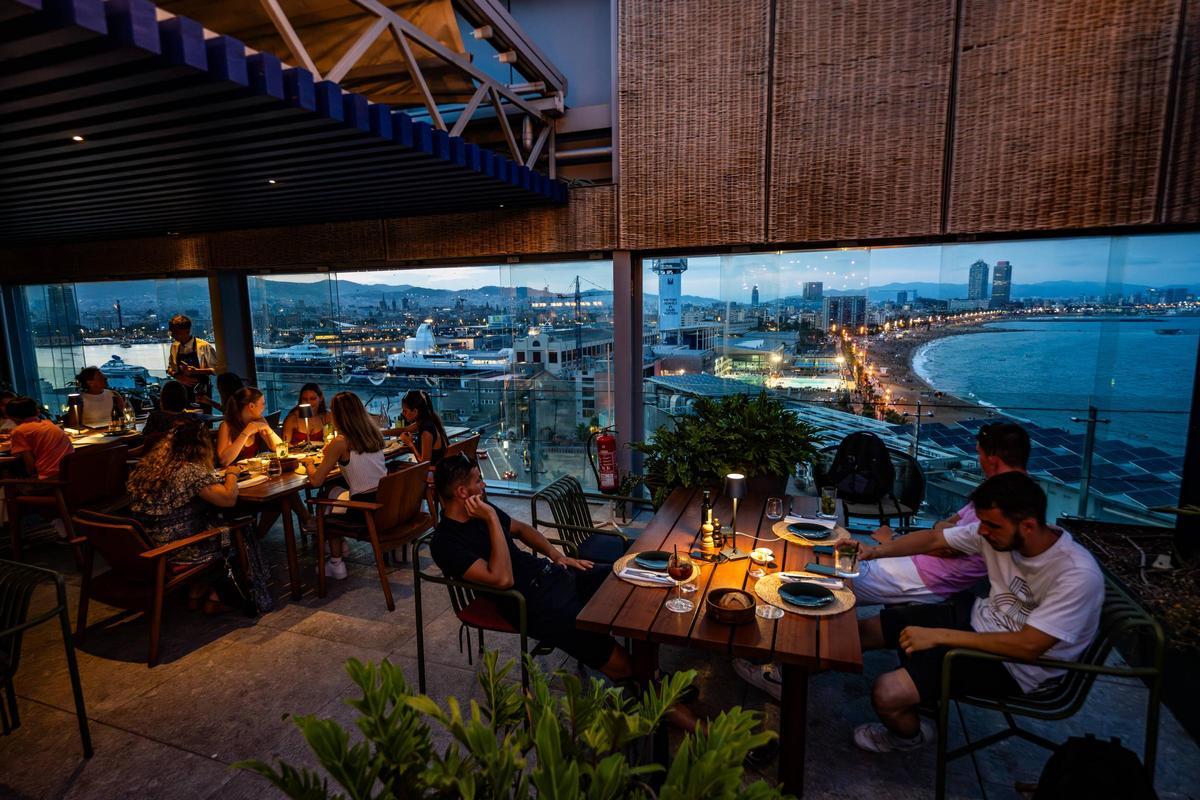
point(1002, 285)
point(977, 284)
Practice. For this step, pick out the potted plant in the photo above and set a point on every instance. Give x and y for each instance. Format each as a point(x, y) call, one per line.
point(755, 435)
point(576, 743)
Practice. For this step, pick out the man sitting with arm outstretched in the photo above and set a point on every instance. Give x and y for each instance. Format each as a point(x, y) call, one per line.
point(1045, 600)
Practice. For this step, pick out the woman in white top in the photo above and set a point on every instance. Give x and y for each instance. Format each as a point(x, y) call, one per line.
point(358, 451)
point(99, 401)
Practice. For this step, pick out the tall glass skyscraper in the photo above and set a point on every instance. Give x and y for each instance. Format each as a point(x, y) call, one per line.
point(1001, 285)
point(977, 284)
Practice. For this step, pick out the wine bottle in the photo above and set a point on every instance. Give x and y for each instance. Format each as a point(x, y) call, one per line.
point(706, 508)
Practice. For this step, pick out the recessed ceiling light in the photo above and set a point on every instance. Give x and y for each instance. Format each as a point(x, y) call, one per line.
point(271, 181)
point(76, 138)
point(502, 205)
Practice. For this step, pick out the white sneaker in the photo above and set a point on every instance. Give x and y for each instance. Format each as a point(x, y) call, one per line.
point(874, 737)
point(335, 568)
point(761, 676)
point(60, 529)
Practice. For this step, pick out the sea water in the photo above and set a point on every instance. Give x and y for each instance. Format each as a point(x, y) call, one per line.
point(1047, 371)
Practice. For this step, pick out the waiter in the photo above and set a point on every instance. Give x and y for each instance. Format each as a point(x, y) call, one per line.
point(192, 359)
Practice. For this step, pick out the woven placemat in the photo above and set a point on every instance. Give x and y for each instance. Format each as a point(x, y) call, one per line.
point(627, 559)
point(781, 531)
point(767, 588)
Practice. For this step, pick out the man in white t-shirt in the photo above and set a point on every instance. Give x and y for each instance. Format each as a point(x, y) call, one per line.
point(1045, 600)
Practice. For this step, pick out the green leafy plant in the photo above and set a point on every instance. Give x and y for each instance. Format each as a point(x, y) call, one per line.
point(752, 434)
point(571, 745)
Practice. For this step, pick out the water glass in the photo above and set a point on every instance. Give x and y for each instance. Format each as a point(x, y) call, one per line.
point(846, 559)
point(274, 468)
point(768, 611)
point(774, 508)
point(828, 503)
point(759, 558)
point(281, 450)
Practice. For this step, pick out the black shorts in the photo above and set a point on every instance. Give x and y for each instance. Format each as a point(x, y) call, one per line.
point(971, 676)
point(553, 604)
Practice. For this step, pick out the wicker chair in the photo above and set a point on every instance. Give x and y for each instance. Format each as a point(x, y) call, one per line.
point(17, 584)
point(572, 519)
point(1120, 617)
point(394, 521)
point(91, 478)
point(140, 575)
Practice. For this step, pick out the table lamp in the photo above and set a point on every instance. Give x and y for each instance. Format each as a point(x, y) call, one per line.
point(74, 411)
point(735, 490)
point(306, 414)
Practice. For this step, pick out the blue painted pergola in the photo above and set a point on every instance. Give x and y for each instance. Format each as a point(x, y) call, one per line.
point(117, 119)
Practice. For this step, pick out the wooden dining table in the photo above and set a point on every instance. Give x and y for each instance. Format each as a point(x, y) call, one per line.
point(799, 644)
point(277, 492)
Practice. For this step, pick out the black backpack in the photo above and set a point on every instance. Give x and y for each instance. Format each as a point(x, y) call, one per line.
point(1087, 767)
point(862, 469)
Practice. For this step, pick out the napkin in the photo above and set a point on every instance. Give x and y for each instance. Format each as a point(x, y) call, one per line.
point(646, 575)
point(795, 577)
point(825, 523)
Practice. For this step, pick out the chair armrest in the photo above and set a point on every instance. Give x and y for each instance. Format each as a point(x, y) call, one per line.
point(568, 547)
point(179, 544)
point(961, 653)
point(359, 504)
point(586, 529)
point(53, 484)
point(620, 498)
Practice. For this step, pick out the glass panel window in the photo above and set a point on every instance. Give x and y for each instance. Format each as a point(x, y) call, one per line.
point(119, 326)
point(1090, 343)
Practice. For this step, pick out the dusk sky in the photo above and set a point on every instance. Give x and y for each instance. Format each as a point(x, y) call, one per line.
point(1145, 260)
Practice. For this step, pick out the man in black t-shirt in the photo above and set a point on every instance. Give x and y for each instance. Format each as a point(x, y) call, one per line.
point(474, 542)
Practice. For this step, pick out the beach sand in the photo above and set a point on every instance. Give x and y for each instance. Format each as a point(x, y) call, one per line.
point(896, 355)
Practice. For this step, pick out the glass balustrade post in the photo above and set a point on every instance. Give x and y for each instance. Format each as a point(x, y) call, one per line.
point(1089, 444)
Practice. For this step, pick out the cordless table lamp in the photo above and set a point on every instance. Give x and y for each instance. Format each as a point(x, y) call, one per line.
point(735, 490)
point(306, 414)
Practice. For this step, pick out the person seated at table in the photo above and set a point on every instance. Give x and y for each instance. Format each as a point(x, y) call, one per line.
point(293, 426)
point(890, 578)
point(357, 451)
point(40, 445)
point(228, 383)
point(7, 423)
point(243, 431)
point(99, 402)
point(1045, 600)
point(174, 493)
point(172, 409)
point(423, 432)
point(474, 541)
point(192, 360)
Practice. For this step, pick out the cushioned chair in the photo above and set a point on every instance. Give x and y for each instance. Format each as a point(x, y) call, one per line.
point(17, 584)
point(140, 575)
point(907, 494)
point(395, 520)
point(90, 478)
point(475, 607)
point(572, 519)
point(1122, 620)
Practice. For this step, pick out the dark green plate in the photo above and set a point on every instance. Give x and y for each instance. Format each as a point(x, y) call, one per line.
point(806, 595)
point(810, 530)
point(653, 559)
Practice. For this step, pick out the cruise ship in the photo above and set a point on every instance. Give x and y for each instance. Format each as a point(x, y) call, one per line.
point(123, 376)
point(420, 357)
point(304, 359)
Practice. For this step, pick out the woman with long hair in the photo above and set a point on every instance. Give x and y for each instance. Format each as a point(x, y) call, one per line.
point(423, 431)
point(99, 401)
point(293, 425)
point(358, 451)
point(244, 431)
point(174, 493)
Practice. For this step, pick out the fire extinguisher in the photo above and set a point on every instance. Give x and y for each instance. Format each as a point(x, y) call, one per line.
point(603, 458)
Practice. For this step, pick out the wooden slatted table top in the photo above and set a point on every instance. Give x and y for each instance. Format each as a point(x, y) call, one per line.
point(622, 609)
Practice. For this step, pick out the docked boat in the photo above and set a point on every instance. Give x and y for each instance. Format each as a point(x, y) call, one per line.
point(124, 376)
point(303, 359)
point(422, 357)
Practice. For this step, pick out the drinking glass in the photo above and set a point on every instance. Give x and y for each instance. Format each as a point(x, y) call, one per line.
point(768, 611)
point(274, 468)
point(828, 503)
point(846, 559)
point(281, 450)
point(774, 508)
point(679, 567)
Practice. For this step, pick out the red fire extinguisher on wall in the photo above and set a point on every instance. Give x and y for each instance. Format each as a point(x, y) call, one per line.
point(603, 457)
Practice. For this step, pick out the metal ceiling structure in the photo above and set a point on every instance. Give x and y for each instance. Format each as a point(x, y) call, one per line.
point(119, 119)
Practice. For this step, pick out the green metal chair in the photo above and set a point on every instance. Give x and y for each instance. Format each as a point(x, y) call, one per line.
point(17, 584)
point(1121, 618)
point(475, 607)
point(572, 519)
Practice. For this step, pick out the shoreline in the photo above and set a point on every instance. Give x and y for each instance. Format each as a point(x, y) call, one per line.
point(907, 386)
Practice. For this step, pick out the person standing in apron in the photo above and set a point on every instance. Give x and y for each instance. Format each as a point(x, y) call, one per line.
point(192, 359)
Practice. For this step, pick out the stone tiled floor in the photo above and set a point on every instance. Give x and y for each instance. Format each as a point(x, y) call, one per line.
point(226, 685)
